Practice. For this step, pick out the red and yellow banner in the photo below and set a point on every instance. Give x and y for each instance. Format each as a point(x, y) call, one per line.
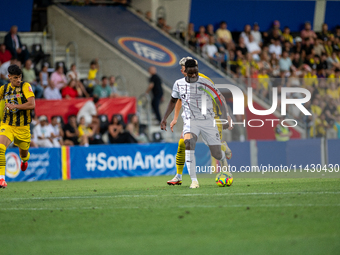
point(65, 163)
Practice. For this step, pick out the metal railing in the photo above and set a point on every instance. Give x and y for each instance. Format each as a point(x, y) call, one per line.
point(67, 51)
point(144, 106)
point(49, 30)
point(160, 12)
point(122, 88)
point(180, 27)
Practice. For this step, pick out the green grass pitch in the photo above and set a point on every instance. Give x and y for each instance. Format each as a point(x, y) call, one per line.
point(145, 216)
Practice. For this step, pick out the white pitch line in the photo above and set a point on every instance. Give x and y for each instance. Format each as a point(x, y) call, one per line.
point(180, 195)
point(181, 206)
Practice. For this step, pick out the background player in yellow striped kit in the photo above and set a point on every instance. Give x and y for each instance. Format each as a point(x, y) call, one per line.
point(180, 156)
point(15, 125)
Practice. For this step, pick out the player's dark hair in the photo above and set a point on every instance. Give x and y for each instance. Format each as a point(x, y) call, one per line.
point(104, 77)
point(14, 70)
point(190, 63)
point(95, 99)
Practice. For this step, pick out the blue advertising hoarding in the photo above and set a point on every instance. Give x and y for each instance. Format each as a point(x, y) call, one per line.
point(44, 164)
point(129, 160)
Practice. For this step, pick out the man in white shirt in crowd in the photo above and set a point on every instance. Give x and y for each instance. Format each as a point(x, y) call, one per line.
point(256, 34)
point(43, 134)
point(88, 111)
point(276, 48)
point(253, 48)
point(57, 130)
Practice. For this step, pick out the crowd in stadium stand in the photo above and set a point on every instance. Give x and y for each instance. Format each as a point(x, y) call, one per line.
point(278, 59)
point(85, 129)
point(59, 83)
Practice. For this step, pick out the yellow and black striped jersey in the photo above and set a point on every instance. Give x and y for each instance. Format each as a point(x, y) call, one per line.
point(16, 95)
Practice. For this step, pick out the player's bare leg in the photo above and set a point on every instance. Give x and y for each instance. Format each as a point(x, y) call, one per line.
point(190, 140)
point(220, 155)
point(4, 143)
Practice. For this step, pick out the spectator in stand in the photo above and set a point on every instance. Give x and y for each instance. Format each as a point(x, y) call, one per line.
point(51, 92)
point(161, 23)
point(117, 133)
point(319, 49)
point(58, 77)
point(245, 34)
point(155, 85)
point(256, 34)
point(13, 44)
point(320, 126)
point(90, 111)
point(71, 132)
point(29, 76)
point(286, 36)
point(92, 76)
point(276, 48)
point(44, 76)
point(264, 62)
point(210, 30)
point(253, 48)
point(103, 90)
point(308, 33)
point(113, 86)
point(275, 35)
point(210, 51)
point(287, 47)
point(337, 32)
point(85, 132)
point(5, 55)
point(333, 93)
point(333, 61)
point(274, 62)
point(307, 47)
point(133, 128)
point(324, 35)
point(44, 134)
point(297, 61)
point(276, 26)
point(57, 130)
point(73, 74)
point(263, 83)
point(148, 16)
point(190, 36)
point(285, 63)
point(241, 47)
point(328, 47)
point(334, 77)
point(201, 37)
point(298, 45)
point(310, 78)
point(4, 69)
point(293, 80)
point(71, 90)
point(224, 36)
point(337, 125)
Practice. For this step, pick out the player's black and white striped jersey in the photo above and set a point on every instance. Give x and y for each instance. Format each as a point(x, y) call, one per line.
point(192, 94)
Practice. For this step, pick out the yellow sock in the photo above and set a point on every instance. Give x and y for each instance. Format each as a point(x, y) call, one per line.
point(2, 159)
point(223, 147)
point(26, 158)
point(180, 157)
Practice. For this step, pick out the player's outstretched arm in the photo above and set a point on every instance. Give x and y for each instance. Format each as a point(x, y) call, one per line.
point(177, 111)
point(169, 110)
point(29, 105)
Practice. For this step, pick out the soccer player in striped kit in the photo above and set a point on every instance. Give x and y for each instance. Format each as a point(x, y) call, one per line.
point(15, 124)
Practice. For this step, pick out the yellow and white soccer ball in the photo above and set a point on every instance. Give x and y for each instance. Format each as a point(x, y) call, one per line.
point(224, 179)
